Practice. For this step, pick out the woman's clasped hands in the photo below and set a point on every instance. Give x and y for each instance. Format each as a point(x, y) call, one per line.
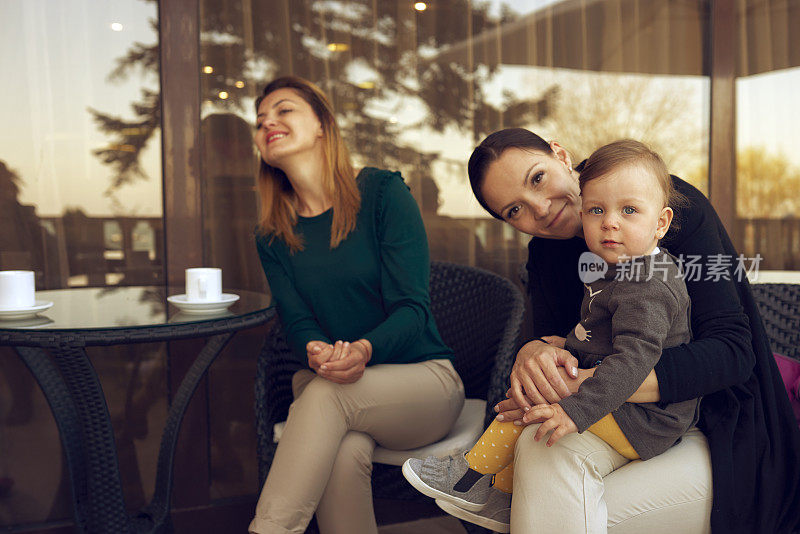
point(342, 362)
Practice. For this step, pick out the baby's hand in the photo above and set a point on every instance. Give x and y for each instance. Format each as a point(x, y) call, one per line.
point(553, 417)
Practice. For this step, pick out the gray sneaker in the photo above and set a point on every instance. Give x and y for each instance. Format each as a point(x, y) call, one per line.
point(437, 478)
point(495, 516)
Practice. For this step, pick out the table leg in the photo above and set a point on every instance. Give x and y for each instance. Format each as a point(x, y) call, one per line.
point(106, 507)
point(155, 517)
point(69, 426)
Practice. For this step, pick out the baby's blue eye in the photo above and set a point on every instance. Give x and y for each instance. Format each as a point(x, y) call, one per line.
point(596, 211)
point(628, 210)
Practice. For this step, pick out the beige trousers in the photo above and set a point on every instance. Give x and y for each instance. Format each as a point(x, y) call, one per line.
point(582, 485)
point(323, 462)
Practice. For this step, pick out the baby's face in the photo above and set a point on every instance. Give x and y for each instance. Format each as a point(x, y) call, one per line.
point(623, 213)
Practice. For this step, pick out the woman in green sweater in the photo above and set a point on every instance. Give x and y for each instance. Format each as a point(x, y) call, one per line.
point(346, 259)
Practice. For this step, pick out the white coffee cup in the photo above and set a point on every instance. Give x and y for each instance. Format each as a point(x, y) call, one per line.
point(17, 290)
point(204, 284)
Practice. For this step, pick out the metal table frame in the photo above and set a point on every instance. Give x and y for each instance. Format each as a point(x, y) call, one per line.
point(78, 403)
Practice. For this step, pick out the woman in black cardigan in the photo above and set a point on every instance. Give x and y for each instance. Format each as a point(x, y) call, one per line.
point(746, 418)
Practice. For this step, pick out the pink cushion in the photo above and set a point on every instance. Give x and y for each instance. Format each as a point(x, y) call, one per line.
point(790, 372)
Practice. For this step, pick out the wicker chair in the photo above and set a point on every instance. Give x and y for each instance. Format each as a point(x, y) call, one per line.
point(478, 314)
point(779, 305)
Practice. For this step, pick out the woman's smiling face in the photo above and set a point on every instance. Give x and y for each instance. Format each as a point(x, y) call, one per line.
point(286, 126)
point(535, 192)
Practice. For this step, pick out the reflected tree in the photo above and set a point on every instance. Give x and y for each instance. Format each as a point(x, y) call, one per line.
point(767, 184)
point(129, 137)
point(376, 60)
point(21, 242)
point(9, 183)
point(598, 108)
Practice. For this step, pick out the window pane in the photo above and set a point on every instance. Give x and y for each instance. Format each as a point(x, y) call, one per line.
point(80, 154)
point(80, 204)
point(417, 90)
point(767, 112)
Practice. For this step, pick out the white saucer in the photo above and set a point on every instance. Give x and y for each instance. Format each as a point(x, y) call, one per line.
point(187, 306)
point(37, 321)
point(22, 313)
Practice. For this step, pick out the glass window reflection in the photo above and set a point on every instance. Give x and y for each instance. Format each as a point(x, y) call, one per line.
point(79, 147)
point(81, 205)
point(416, 90)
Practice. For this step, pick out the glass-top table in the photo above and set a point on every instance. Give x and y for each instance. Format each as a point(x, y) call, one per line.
point(96, 308)
point(52, 345)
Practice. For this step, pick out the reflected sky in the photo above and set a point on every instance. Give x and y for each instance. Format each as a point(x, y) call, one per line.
point(56, 59)
point(768, 111)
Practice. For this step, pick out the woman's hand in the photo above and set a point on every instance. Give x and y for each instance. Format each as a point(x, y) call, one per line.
point(318, 352)
point(509, 411)
point(535, 377)
point(348, 362)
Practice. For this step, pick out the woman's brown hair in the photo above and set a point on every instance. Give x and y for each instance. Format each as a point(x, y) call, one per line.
point(277, 213)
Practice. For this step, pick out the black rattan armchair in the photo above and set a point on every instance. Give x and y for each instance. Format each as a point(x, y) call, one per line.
point(779, 305)
point(478, 314)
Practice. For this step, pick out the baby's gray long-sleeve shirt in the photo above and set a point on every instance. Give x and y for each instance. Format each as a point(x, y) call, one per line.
point(637, 309)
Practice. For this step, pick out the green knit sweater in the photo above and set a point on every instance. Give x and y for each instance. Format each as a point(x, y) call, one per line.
point(374, 285)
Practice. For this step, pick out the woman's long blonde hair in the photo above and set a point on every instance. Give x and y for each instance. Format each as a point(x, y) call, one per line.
point(277, 213)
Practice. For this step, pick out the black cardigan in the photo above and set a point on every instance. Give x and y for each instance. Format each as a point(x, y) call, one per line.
point(745, 412)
